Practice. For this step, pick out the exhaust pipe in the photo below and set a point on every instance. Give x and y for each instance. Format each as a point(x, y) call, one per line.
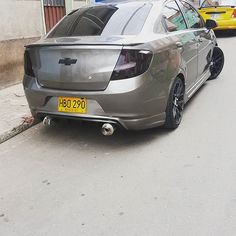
point(107, 129)
point(47, 121)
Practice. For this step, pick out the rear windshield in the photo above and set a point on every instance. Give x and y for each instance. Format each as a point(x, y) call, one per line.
point(122, 19)
point(216, 3)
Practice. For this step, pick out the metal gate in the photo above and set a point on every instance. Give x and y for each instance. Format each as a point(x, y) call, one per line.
point(54, 10)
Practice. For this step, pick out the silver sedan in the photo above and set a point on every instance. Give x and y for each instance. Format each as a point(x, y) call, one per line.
point(131, 64)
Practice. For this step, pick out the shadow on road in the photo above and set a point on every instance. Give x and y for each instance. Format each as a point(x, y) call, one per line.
point(225, 33)
point(89, 133)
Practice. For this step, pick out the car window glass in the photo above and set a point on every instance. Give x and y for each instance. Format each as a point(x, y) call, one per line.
point(192, 16)
point(123, 19)
point(173, 18)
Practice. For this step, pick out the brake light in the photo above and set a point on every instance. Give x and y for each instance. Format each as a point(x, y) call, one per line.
point(28, 64)
point(234, 14)
point(131, 63)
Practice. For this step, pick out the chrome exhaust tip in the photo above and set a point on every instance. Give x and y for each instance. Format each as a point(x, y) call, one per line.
point(47, 121)
point(107, 129)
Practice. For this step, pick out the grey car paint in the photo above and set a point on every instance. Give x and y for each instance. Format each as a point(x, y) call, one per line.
point(92, 69)
point(135, 103)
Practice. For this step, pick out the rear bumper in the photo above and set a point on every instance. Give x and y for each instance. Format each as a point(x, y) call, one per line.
point(229, 27)
point(129, 124)
point(226, 24)
point(136, 103)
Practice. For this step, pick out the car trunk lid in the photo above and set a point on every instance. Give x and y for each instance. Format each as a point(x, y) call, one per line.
point(74, 67)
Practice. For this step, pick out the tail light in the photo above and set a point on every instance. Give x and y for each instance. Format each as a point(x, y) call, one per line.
point(234, 14)
point(131, 63)
point(28, 64)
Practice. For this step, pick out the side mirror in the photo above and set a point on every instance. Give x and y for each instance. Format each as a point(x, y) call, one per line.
point(210, 24)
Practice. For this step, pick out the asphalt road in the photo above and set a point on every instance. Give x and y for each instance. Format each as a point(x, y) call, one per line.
point(70, 180)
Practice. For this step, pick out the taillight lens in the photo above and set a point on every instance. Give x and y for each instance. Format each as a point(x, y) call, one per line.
point(28, 64)
point(131, 63)
point(234, 14)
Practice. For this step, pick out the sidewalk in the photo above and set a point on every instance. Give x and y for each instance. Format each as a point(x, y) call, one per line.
point(14, 112)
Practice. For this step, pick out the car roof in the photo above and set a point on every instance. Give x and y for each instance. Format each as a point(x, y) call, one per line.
point(119, 2)
point(127, 1)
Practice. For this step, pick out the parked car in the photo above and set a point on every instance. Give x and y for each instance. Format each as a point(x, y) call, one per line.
point(222, 11)
point(132, 64)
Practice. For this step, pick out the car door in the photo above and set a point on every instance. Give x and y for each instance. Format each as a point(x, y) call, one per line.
point(185, 40)
point(203, 36)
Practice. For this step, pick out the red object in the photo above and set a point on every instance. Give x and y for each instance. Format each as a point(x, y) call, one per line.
point(52, 15)
point(234, 14)
point(54, 10)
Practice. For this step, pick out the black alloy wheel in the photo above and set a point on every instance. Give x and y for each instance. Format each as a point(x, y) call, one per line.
point(175, 106)
point(217, 63)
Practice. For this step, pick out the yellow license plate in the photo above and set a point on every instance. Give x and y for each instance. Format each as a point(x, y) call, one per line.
point(72, 105)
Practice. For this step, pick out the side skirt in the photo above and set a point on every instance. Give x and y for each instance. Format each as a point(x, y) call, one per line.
point(198, 84)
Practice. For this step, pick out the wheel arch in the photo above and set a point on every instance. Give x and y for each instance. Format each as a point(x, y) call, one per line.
point(169, 123)
point(179, 75)
point(182, 77)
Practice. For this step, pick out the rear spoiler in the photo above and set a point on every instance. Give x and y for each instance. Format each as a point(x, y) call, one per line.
point(77, 44)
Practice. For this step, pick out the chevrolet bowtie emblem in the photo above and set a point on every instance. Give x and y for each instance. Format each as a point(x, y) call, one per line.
point(67, 61)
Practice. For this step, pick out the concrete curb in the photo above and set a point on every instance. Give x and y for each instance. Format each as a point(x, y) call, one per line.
point(26, 124)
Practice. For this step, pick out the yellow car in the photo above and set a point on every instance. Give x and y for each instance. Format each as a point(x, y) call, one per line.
point(222, 11)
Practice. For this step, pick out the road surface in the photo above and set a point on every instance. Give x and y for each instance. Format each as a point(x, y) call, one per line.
point(70, 180)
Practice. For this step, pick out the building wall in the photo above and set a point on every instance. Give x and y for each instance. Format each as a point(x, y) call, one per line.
point(78, 3)
point(21, 23)
point(20, 19)
point(23, 18)
point(11, 60)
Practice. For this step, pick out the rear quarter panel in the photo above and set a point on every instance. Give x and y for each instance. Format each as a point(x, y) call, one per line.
point(166, 64)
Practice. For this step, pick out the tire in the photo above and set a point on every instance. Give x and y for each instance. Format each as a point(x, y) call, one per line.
point(217, 63)
point(175, 105)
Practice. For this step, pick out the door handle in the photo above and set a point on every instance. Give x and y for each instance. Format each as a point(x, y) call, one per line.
point(179, 45)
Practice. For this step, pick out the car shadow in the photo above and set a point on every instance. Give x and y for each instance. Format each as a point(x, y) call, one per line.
point(225, 33)
point(89, 133)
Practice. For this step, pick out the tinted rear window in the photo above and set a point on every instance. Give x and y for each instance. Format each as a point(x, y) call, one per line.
point(122, 19)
